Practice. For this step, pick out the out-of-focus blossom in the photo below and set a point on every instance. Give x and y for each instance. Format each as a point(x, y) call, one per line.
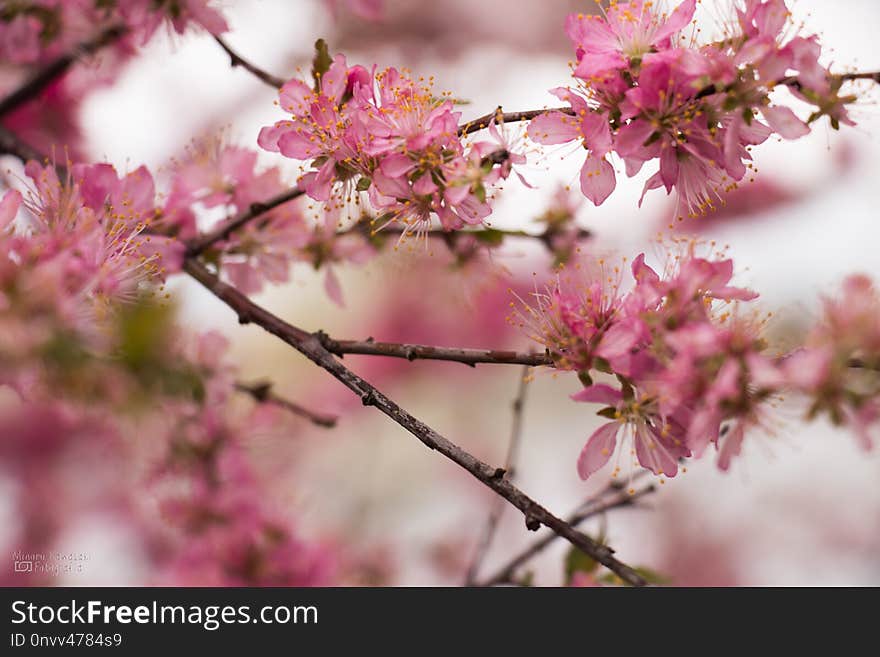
point(838, 366)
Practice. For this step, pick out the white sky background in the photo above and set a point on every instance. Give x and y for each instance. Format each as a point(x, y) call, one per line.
point(786, 510)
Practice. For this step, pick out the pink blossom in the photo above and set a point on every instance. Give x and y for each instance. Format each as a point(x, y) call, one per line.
point(658, 442)
point(591, 128)
point(626, 32)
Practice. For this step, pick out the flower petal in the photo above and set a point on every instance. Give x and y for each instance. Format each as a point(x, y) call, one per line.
point(598, 450)
point(554, 128)
point(597, 179)
point(599, 393)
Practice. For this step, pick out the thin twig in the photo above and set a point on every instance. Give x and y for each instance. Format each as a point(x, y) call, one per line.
point(263, 394)
point(546, 237)
point(237, 60)
point(623, 498)
point(483, 122)
point(491, 525)
point(10, 144)
point(58, 67)
point(310, 346)
point(412, 352)
point(225, 229)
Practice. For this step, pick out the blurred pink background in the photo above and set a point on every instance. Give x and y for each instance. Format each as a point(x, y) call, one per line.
point(801, 507)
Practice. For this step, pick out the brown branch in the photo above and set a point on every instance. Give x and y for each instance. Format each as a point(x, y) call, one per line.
point(263, 394)
point(483, 122)
point(310, 346)
point(226, 228)
point(55, 69)
point(452, 236)
point(592, 508)
point(853, 77)
point(10, 144)
point(411, 352)
point(491, 525)
point(237, 60)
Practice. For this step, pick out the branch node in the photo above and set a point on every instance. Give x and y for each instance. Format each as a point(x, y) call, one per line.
point(411, 354)
point(499, 473)
point(532, 523)
point(368, 398)
point(261, 391)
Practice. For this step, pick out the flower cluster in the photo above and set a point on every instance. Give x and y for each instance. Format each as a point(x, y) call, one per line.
point(92, 370)
point(90, 237)
point(38, 32)
point(390, 136)
point(839, 365)
point(691, 369)
point(648, 91)
point(216, 175)
point(32, 31)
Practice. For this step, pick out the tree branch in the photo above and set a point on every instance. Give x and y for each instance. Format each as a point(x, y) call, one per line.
point(451, 236)
point(483, 122)
point(262, 394)
point(55, 69)
point(310, 346)
point(592, 508)
point(509, 463)
point(237, 60)
point(411, 352)
point(226, 228)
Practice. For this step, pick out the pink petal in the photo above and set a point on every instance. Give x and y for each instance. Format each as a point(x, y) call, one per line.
point(599, 393)
point(669, 167)
point(642, 272)
point(598, 450)
point(785, 122)
point(333, 288)
point(295, 97)
point(597, 134)
point(653, 455)
point(554, 128)
point(9, 207)
point(397, 165)
point(677, 21)
point(731, 446)
point(619, 340)
point(594, 66)
point(597, 179)
point(297, 144)
point(270, 134)
point(631, 138)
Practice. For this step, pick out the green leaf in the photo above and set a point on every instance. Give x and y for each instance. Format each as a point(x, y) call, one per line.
point(527, 580)
point(489, 236)
point(609, 412)
point(321, 62)
point(602, 365)
point(578, 562)
point(363, 184)
point(585, 378)
point(653, 577)
point(626, 389)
